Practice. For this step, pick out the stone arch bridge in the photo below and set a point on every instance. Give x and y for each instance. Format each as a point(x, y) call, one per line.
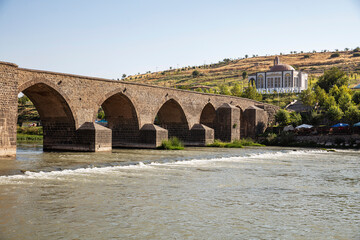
point(138, 115)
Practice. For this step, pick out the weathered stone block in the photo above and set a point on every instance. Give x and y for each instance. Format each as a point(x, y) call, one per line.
point(201, 135)
point(256, 121)
point(227, 123)
point(153, 135)
point(8, 109)
point(93, 137)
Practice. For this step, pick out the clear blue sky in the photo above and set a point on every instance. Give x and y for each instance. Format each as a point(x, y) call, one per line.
point(108, 38)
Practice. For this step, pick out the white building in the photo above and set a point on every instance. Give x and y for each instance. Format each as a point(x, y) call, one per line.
point(281, 78)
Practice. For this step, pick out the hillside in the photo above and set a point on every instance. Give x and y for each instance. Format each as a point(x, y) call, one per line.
point(228, 71)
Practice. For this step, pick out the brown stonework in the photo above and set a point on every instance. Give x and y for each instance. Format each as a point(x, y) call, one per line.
point(65, 102)
point(256, 121)
point(152, 135)
point(201, 135)
point(227, 123)
point(8, 109)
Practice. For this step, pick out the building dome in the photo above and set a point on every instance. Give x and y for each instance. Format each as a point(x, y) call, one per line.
point(281, 67)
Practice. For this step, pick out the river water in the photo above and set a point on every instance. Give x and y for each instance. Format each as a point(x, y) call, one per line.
point(197, 193)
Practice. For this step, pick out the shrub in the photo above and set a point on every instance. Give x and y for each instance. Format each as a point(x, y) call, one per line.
point(357, 49)
point(270, 139)
point(30, 130)
point(195, 73)
point(356, 55)
point(334, 55)
point(172, 144)
point(306, 56)
point(295, 118)
point(282, 117)
point(234, 144)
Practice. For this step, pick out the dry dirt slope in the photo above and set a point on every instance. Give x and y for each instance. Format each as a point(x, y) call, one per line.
point(230, 71)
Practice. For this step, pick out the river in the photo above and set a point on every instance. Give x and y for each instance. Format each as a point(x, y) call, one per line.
point(197, 193)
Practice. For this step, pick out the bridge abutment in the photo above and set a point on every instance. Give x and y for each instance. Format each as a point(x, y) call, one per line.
point(8, 109)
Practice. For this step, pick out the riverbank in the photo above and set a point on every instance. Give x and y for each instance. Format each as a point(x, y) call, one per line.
point(24, 138)
point(288, 139)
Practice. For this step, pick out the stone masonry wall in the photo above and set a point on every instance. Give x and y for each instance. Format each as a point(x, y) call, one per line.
point(84, 95)
point(8, 109)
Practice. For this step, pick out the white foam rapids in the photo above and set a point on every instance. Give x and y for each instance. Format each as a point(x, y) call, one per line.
point(56, 174)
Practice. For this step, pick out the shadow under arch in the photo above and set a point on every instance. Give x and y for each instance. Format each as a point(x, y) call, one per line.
point(55, 113)
point(122, 119)
point(208, 116)
point(62, 94)
point(171, 116)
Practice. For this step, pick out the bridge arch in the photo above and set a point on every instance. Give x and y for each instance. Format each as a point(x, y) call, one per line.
point(56, 115)
point(171, 116)
point(208, 116)
point(122, 118)
point(61, 97)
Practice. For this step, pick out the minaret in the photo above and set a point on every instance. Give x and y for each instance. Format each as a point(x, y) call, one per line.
point(276, 61)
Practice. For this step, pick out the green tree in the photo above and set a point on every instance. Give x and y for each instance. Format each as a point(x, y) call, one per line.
point(236, 90)
point(332, 77)
point(334, 113)
point(320, 95)
point(101, 114)
point(224, 89)
point(23, 100)
point(295, 118)
point(335, 92)
point(308, 97)
point(195, 73)
point(352, 114)
point(344, 101)
point(123, 76)
point(329, 101)
point(356, 97)
point(250, 92)
point(244, 75)
point(282, 117)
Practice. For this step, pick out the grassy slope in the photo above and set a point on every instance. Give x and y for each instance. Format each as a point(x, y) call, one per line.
point(231, 72)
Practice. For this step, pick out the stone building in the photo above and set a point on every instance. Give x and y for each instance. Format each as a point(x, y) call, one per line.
point(281, 78)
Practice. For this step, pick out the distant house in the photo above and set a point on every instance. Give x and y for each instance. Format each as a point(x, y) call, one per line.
point(298, 106)
point(281, 78)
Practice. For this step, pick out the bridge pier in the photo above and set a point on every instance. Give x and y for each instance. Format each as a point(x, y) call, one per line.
point(152, 135)
point(227, 125)
point(256, 121)
point(201, 135)
point(92, 137)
